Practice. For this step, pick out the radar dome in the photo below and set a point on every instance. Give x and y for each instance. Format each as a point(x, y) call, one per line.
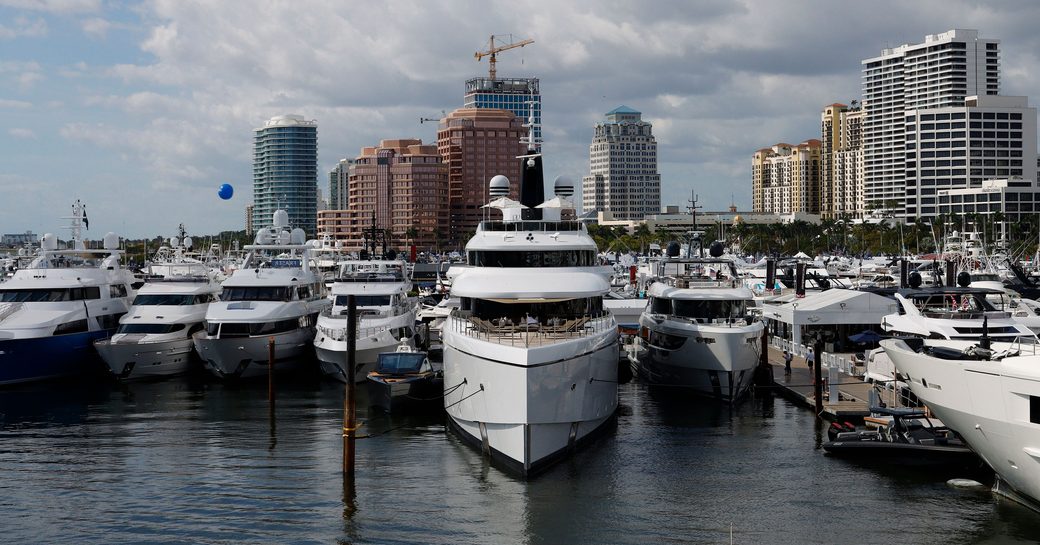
point(283, 237)
point(963, 279)
point(498, 186)
point(563, 186)
point(264, 236)
point(49, 242)
point(111, 241)
point(281, 218)
point(297, 236)
point(672, 250)
point(187, 242)
point(716, 249)
point(174, 242)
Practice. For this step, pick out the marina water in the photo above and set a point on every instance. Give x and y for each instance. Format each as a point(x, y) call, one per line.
point(190, 460)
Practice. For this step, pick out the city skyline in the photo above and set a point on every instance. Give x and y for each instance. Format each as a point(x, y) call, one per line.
point(154, 104)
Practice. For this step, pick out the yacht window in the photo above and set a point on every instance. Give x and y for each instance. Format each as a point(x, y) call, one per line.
point(548, 313)
point(700, 309)
point(304, 292)
point(663, 340)
point(49, 295)
point(204, 299)
point(660, 306)
point(109, 321)
point(150, 328)
point(165, 300)
point(1034, 409)
point(365, 300)
point(270, 328)
point(525, 259)
point(212, 329)
point(117, 290)
point(75, 326)
point(399, 363)
point(256, 293)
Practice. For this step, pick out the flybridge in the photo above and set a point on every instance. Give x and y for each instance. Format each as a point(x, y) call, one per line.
point(528, 226)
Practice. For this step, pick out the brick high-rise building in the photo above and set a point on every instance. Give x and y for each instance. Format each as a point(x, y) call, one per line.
point(477, 144)
point(398, 186)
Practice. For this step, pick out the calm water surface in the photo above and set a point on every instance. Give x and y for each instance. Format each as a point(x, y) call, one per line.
point(192, 461)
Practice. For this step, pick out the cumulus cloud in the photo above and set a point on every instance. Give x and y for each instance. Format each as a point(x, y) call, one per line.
point(23, 27)
point(22, 133)
point(14, 104)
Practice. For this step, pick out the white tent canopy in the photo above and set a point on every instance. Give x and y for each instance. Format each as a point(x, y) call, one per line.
point(830, 307)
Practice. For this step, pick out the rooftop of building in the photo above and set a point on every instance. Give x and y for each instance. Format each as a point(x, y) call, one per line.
point(622, 110)
point(289, 120)
point(400, 146)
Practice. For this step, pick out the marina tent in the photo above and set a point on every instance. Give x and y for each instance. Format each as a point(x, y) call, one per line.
point(842, 311)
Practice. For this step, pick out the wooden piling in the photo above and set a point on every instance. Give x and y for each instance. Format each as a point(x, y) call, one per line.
point(270, 371)
point(349, 413)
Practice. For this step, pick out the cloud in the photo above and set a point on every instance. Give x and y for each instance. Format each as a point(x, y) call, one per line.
point(14, 104)
point(54, 6)
point(22, 133)
point(96, 27)
point(23, 27)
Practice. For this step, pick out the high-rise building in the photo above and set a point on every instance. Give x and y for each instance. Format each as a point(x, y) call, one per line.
point(959, 147)
point(338, 179)
point(400, 186)
point(285, 172)
point(518, 95)
point(477, 144)
point(785, 179)
point(939, 73)
point(623, 181)
point(841, 159)
point(249, 220)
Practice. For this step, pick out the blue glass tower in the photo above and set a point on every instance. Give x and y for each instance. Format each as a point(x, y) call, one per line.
point(285, 172)
point(518, 95)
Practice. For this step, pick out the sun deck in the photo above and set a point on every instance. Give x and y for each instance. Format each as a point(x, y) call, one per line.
point(531, 333)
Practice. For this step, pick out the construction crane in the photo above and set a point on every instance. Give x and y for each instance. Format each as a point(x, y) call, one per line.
point(493, 50)
point(425, 119)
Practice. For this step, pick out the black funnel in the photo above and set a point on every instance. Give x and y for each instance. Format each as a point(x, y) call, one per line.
point(532, 187)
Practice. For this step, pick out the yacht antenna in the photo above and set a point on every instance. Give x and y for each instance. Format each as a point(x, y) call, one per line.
point(693, 216)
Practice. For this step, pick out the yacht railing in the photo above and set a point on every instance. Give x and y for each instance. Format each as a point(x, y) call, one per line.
point(533, 333)
point(842, 362)
point(742, 321)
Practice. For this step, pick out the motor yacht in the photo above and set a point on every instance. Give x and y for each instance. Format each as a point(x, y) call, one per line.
point(385, 316)
point(154, 338)
point(697, 332)
point(53, 310)
point(989, 393)
point(274, 295)
point(530, 357)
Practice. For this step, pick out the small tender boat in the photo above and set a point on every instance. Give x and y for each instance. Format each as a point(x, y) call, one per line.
point(405, 379)
point(910, 438)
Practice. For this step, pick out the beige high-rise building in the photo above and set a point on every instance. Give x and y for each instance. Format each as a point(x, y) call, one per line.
point(477, 144)
point(396, 186)
point(785, 178)
point(841, 156)
point(623, 181)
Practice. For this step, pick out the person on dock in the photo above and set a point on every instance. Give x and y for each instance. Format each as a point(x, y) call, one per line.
point(787, 362)
point(809, 359)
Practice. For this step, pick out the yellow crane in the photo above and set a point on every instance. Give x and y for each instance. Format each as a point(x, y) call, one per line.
point(492, 50)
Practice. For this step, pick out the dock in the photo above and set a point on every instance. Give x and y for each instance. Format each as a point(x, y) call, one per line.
point(798, 388)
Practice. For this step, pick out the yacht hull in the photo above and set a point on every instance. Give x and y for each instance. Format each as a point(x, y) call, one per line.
point(722, 369)
point(988, 404)
point(247, 357)
point(332, 355)
point(528, 407)
point(133, 360)
point(42, 358)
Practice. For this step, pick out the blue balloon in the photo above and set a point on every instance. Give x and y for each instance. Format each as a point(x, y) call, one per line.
point(226, 191)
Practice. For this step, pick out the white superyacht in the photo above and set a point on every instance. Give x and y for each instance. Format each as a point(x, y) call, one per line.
point(154, 338)
point(273, 295)
point(386, 316)
point(989, 393)
point(530, 357)
point(697, 332)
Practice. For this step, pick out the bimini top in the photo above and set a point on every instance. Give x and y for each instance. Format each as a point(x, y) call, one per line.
point(539, 284)
point(664, 291)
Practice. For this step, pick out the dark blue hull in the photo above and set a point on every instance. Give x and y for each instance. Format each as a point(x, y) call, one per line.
point(27, 360)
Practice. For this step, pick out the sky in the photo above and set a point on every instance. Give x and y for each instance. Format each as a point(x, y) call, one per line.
point(143, 109)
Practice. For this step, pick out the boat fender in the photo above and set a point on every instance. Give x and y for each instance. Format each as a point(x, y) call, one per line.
point(964, 483)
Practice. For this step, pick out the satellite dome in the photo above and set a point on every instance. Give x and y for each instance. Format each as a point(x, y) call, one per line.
point(49, 241)
point(283, 237)
point(174, 242)
point(264, 236)
point(297, 236)
point(498, 186)
point(111, 241)
point(963, 279)
point(563, 186)
point(914, 280)
point(188, 243)
point(281, 218)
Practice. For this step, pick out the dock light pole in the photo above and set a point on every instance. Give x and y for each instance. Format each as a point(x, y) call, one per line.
point(349, 412)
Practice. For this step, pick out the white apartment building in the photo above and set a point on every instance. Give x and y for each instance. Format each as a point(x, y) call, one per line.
point(939, 73)
point(623, 180)
point(960, 147)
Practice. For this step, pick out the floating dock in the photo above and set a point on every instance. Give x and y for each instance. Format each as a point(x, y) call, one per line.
point(798, 387)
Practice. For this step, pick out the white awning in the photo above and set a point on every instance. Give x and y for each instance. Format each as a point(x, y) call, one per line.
point(541, 284)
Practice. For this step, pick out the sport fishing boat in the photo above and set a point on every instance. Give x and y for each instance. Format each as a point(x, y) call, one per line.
point(530, 357)
point(154, 338)
point(53, 310)
point(697, 332)
point(987, 392)
point(386, 316)
point(274, 295)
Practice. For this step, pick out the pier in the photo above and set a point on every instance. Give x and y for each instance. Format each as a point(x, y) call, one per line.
point(797, 387)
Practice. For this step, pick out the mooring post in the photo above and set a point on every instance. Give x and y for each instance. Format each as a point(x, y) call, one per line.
point(818, 379)
point(270, 371)
point(349, 414)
